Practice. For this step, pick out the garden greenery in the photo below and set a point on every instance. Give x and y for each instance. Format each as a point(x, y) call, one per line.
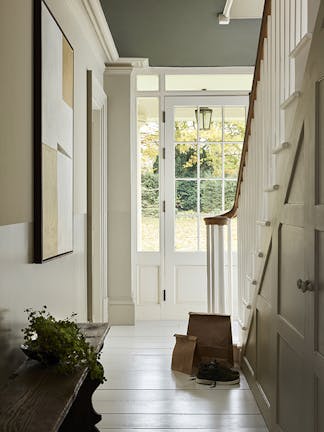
point(211, 167)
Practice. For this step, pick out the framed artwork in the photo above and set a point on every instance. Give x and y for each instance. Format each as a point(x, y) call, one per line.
point(53, 137)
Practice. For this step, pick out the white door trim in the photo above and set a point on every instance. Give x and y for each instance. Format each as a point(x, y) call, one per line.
point(97, 201)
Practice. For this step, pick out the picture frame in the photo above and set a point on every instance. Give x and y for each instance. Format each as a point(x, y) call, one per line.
point(53, 137)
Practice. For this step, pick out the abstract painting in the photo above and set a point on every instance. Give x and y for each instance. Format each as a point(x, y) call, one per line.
point(53, 137)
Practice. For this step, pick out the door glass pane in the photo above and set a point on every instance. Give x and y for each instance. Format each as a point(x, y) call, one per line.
point(232, 159)
point(230, 190)
point(186, 236)
point(215, 132)
point(185, 124)
point(207, 162)
point(211, 204)
point(211, 165)
point(186, 160)
point(148, 179)
point(210, 197)
point(234, 123)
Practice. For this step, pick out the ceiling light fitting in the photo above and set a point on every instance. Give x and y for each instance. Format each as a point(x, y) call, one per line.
point(224, 18)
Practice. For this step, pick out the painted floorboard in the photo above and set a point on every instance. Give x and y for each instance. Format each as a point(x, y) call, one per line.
point(142, 393)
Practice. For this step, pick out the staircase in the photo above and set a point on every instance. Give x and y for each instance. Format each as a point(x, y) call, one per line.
point(284, 43)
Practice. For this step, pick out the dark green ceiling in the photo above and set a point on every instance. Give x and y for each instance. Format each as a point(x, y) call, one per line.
point(181, 33)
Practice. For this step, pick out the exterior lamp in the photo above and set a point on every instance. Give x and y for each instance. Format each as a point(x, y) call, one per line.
point(205, 116)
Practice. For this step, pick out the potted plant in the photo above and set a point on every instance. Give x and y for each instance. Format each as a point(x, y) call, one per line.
point(59, 343)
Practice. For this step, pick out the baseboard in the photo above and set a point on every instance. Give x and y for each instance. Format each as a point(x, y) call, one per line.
point(121, 312)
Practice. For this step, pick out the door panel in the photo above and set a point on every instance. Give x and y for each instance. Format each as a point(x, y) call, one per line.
point(315, 248)
point(320, 141)
point(265, 373)
point(290, 415)
point(291, 267)
point(148, 283)
point(319, 302)
point(191, 285)
point(319, 403)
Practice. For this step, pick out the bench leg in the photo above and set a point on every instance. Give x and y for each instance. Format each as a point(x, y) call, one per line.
point(82, 417)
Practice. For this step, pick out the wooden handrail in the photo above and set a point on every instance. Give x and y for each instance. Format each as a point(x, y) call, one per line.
point(215, 220)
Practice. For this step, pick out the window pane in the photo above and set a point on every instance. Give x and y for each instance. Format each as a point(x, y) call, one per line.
point(198, 82)
point(147, 82)
point(213, 134)
point(211, 161)
point(232, 158)
point(210, 197)
point(234, 123)
point(186, 160)
point(186, 236)
point(230, 190)
point(185, 124)
point(148, 154)
point(202, 234)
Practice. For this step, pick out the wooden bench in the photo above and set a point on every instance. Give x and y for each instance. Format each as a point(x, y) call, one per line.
point(38, 399)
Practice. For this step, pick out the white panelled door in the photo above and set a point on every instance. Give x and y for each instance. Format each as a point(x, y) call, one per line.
point(195, 172)
point(201, 163)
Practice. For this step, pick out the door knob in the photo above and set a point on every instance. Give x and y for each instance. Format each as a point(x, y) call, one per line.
point(305, 285)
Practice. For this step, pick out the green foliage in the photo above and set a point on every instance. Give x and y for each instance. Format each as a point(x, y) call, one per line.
point(50, 339)
point(211, 197)
point(234, 130)
point(186, 160)
point(186, 195)
point(230, 190)
point(150, 194)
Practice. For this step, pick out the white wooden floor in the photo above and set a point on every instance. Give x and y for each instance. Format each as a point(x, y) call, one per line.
point(143, 393)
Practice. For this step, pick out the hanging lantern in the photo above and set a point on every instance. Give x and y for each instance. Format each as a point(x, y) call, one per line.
point(205, 117)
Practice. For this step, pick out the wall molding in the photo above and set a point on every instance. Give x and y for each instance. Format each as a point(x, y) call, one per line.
point(118, 69)
point(121, 312)
point(99, 23)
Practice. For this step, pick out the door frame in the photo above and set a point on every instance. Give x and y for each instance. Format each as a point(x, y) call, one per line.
point(97, 197)
point(170, 255)
point(155, 311)
point(162, 94)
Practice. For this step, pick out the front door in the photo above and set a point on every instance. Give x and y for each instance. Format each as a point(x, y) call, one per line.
point(188, 168)
point(203, 143)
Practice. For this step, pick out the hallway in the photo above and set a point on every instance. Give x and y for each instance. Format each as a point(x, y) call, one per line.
point(143, 393)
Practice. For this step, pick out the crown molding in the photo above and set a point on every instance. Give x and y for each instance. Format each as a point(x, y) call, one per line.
point(118, 69)
point(99, 22)
point(125, 65)
point(135, 62)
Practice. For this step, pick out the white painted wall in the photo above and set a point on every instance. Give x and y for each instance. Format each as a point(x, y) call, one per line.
point(61, 283)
